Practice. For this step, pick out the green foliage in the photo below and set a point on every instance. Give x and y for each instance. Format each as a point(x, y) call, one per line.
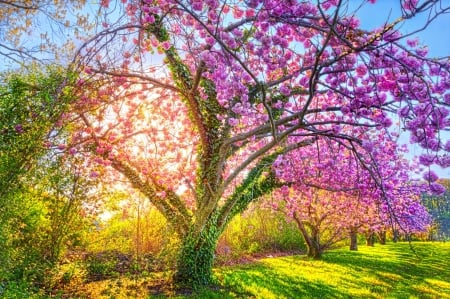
point(196, 258)
point(258, 231)
point(155, 246)
point(40, 197)
point(113, 235)
point(259, 181)
point(21, 258)
point(105, 264)
point(30, 104)
point(439, 208)
point(41, 224)
point(71, 273)
point(148, 238)
point(19, 290)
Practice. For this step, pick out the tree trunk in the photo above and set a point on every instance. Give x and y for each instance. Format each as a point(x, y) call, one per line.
point(195, 261)
point(396, 236)
point(314, 248)
point(382, 237)
point(370, 239)
point(314, 252)
point(312, 240)
point(353, 239)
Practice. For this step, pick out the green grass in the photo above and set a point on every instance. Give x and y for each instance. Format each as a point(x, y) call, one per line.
point(390, 271)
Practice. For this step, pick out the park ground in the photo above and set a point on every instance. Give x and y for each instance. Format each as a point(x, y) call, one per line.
point(395, 270)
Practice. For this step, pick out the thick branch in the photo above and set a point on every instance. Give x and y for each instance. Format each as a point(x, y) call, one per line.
point(170, 206)
point(260, 181)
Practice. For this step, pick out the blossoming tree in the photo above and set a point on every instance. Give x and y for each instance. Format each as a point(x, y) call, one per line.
point(329, 195)
point(192, 101)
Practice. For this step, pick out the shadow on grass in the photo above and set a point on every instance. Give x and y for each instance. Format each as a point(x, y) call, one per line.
point(417, 270)
point(260, 280)
point(391, 271)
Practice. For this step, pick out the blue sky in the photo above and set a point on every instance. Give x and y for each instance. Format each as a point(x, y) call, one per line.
point(436, 35)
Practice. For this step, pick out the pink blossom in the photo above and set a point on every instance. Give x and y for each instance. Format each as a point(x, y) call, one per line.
point(100, 150)
point(285, 90)
point(149, 19)
point(437, 189)
point(367, 145)
point(409, 5)
point(104, 3)
point(361, 70)
point(430, 176)
point(18, 129)
point(166, 45)
point(197, 5)
point(233, 121)
point(427, 159)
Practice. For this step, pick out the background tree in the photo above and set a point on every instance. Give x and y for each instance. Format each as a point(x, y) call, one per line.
point(30, 107)
point(330, 195)
point(43, 218)
point(439, 208)
point(41, 31)
point(36, 195)
point(192, 102)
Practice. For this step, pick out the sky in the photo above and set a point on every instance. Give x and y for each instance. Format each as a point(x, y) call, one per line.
point(436, 35)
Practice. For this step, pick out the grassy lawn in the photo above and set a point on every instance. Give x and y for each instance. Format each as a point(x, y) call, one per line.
point(390, 271)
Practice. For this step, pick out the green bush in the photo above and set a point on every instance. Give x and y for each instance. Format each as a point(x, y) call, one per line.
point(107, 264)
point(149, 241)
point(258, 231)
point(19, 290)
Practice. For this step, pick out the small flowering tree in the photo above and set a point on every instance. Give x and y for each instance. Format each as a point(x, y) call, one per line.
point(192, 102)
point(329, 195)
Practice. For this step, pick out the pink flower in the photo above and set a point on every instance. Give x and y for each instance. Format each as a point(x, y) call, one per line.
point(426, 160)
point(430, 176)
point(104, 3)
point(166, 45)
point(149, 19)
point(197, 5)
point(412, 42)
point(410, 4)
point(100, 150)
point(367, 145)
point(233, 121)
point(361, 70)
point(285, 90)
point(437, 189)
point(19, 129)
